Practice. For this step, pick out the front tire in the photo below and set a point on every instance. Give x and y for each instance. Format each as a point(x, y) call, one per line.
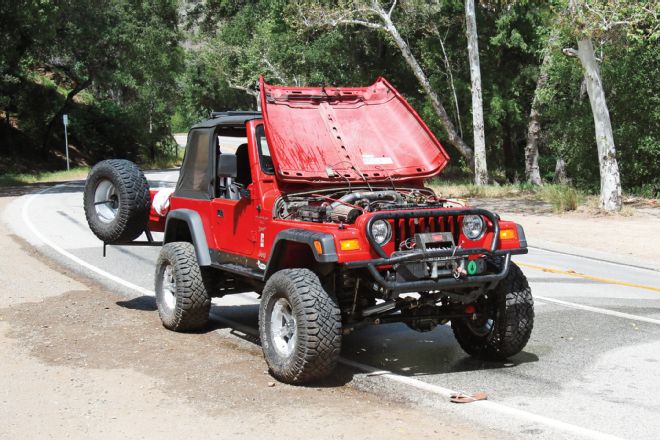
point(504, 323)
point(181, 295)
point(299, 326)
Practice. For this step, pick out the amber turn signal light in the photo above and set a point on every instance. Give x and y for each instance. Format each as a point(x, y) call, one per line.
point(318, 246)
point(507, 234)
point(349, 245)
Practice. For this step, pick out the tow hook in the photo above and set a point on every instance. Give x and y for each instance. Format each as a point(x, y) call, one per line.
point(459, 270)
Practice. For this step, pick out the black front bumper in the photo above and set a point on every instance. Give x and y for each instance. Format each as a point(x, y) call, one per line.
point(446, 283)
point(439, 283)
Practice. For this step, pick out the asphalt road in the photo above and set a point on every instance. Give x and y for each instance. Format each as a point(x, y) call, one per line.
point(590, 370)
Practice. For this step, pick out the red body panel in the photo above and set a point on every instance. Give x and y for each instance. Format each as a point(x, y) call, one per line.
point(247, 227)
point(358, 132)
point(156, 222)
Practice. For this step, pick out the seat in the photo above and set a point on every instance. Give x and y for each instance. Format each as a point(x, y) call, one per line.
point(243, 174)
point(226, 185)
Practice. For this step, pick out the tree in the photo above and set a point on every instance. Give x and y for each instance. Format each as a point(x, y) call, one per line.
point(532, 170)
point(373, 15)
point(588, 20)
point(480, 165)
point(127, 50)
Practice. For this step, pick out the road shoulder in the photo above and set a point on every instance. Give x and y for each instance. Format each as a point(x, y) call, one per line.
point(633, 241)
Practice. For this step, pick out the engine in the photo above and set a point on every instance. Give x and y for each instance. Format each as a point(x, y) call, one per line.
point(345, 206)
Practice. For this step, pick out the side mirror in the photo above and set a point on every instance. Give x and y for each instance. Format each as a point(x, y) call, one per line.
point(227, 165)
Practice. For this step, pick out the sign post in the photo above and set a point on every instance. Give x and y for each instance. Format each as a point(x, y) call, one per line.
point(65, 120)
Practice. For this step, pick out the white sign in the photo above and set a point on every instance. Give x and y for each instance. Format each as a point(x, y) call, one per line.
point(370, 159)
point(65, 119)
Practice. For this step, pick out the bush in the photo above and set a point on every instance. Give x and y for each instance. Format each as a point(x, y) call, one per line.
point(561, 197)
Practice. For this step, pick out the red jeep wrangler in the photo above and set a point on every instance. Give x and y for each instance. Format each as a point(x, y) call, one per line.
point(322, 210)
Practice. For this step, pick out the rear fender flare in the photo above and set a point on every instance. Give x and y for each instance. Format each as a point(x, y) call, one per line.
point(195, 228)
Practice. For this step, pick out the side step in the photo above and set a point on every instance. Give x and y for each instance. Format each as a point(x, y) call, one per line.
point(238, 269)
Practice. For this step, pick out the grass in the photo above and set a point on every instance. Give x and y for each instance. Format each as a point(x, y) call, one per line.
point(462, 190)
point(561, 197)
point(164, 161)
point(78, 173)
point(11, 179)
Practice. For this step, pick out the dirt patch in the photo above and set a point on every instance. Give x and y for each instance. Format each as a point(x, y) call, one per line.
point(216, 376)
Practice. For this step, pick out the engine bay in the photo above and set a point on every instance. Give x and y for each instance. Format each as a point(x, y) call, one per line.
point(345, 205)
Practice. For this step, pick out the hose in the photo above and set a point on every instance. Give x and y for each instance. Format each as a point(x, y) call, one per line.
point(369, 195)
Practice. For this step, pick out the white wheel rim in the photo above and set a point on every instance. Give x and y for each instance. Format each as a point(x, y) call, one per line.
point(169, 287)
point(106, 201)
point(283, 328)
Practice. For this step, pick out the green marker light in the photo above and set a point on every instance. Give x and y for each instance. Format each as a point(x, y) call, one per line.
point(472, 267)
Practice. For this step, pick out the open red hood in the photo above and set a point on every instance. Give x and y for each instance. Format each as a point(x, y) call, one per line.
point(331, 134)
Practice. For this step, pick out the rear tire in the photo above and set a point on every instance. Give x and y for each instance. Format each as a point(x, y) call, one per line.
point(299, 326)
point(506, 322)
point(181, 295)
point(116, 201)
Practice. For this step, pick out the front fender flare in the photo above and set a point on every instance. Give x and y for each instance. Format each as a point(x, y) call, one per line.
point(304, 236)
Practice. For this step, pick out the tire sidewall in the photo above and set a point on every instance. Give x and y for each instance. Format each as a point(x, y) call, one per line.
point(98, 174)
point(169, 316)
point(494, 345)
point(276, 290)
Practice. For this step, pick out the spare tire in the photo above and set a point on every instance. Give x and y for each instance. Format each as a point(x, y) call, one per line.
point(117, 201)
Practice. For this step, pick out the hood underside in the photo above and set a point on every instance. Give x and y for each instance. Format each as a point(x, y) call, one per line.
point(334, 134)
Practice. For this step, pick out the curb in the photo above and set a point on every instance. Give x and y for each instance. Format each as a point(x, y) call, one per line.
point(561, 248)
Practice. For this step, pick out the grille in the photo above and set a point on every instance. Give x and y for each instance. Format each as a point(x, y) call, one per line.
point(405, 228)
point(406, 224)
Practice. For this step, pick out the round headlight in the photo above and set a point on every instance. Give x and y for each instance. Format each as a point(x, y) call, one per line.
point(381, 231)
point(473, 227)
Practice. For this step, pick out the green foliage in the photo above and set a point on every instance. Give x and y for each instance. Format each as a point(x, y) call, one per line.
point(630, 67)
point(111, 65)
point(129, 72)
point(562, 198)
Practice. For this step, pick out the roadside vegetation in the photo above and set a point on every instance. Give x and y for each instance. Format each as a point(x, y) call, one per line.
point(561, 197)
point(129, 73)
point(10, 179)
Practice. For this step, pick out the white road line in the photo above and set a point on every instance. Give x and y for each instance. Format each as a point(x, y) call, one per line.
point(598, 310)
point(69, 255)
point(444, 392)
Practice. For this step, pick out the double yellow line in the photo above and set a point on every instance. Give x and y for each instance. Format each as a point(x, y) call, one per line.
point(572, 273)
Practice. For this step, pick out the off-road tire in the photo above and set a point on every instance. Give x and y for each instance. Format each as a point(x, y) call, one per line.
point(511, 308)
point(189, 310)
point(318, 326)
point(133, 204)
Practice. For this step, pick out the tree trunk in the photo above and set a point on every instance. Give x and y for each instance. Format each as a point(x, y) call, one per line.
point(453, 136)
point(610, 180)
point(152, 144)
point(79, 87)
point(560, 172)
point(480, 166)
point(532, 171)
point(509, 151)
